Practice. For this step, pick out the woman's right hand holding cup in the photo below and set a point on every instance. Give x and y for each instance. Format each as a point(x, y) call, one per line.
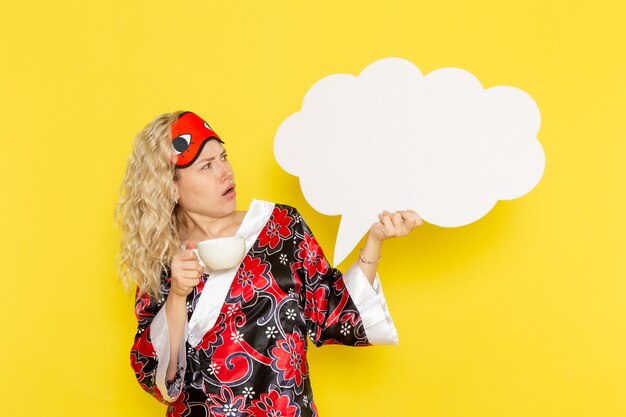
point(186, 271)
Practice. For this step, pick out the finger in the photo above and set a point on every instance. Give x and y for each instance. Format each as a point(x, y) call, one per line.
point(381, 221)
point(408, 214)
point(190, 282)
point(396, 219)
point(412, 218)
point(389, 214)
point(195, 271)
point(402, 228)
point(189, 265)
point(388, 228)
point(190, 246)
point(189, 274)
point(186, 255)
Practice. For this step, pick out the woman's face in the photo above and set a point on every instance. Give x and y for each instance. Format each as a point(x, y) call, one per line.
point(208, 185)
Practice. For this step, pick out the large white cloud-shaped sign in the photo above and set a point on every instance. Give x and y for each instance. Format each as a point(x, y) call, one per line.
point(392, 139)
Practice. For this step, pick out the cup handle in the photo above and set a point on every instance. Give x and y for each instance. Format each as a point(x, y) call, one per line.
point(198, 258)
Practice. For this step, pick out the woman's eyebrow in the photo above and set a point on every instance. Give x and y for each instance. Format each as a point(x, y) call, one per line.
point(209, 158)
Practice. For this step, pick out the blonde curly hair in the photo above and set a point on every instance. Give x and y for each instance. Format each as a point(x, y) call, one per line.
point(147, 212)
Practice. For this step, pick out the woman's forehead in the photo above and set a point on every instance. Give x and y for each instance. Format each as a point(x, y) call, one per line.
point(211, 148)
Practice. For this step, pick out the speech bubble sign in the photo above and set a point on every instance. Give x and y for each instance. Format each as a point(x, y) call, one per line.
point(394, 139)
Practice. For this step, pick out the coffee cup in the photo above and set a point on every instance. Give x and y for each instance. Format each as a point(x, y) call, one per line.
point(221, 252)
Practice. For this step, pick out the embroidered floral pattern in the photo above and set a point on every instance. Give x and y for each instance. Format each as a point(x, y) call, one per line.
point(276, 230)
point(227, 404)
point(312, 256)
point(316, 304)
point(290, 360)
point(273, 404)
point(251, 277)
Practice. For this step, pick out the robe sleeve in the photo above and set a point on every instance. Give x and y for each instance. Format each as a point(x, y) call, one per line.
point(150, 352)
point(339, 308)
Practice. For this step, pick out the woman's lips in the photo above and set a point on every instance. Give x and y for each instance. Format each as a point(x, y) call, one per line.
point(230, 192)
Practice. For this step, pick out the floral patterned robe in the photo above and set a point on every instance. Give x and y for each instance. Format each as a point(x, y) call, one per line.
point(244, 350)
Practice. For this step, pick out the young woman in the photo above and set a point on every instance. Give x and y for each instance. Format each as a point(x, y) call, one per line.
point(233, 342)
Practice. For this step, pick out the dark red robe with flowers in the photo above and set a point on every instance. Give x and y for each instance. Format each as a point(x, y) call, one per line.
point(249, 357)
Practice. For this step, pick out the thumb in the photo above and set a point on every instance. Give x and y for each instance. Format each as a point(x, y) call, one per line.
point(188, 247)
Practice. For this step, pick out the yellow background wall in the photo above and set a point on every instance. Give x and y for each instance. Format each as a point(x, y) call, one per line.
point(519, 314)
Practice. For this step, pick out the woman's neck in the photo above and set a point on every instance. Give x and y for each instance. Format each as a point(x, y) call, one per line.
point(201, 228)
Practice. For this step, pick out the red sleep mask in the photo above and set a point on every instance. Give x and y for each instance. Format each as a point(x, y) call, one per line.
point(189, 135)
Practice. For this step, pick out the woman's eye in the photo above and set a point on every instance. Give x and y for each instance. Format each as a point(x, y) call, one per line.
point(209, 164)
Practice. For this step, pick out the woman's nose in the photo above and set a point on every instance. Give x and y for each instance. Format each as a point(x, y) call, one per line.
point(226, 172)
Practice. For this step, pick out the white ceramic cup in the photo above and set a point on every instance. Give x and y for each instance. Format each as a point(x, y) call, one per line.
point(222, 252)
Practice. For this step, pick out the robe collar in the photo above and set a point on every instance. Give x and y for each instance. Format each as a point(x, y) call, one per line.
point(218, 283)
